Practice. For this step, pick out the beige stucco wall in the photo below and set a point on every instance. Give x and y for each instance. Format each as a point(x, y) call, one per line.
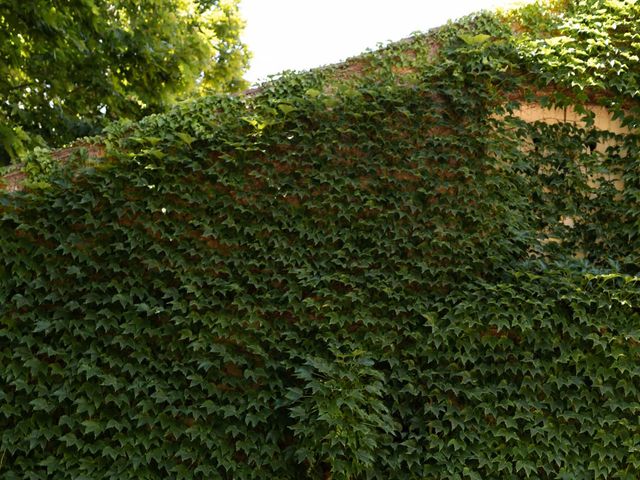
point(531, 112)
point(603, 120)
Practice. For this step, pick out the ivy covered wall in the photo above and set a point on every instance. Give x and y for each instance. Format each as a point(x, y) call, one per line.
point(360, 272)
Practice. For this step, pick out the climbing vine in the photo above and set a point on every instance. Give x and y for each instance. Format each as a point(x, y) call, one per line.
point(375, 270)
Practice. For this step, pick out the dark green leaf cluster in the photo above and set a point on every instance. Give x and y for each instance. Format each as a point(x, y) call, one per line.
point(373, 271)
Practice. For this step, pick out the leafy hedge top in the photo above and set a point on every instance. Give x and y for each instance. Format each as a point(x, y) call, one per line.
point(361, 272)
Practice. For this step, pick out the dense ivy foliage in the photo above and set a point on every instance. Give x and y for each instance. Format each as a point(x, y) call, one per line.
point(377, 270)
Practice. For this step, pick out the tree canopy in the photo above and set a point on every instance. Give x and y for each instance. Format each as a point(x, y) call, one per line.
point(68, 67)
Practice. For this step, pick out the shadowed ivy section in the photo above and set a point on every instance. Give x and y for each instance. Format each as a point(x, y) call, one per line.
point(371, 271)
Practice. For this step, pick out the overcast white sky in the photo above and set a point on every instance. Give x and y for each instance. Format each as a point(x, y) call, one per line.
point(303, 34)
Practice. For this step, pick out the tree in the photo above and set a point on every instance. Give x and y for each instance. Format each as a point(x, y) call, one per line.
point(67, 67)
